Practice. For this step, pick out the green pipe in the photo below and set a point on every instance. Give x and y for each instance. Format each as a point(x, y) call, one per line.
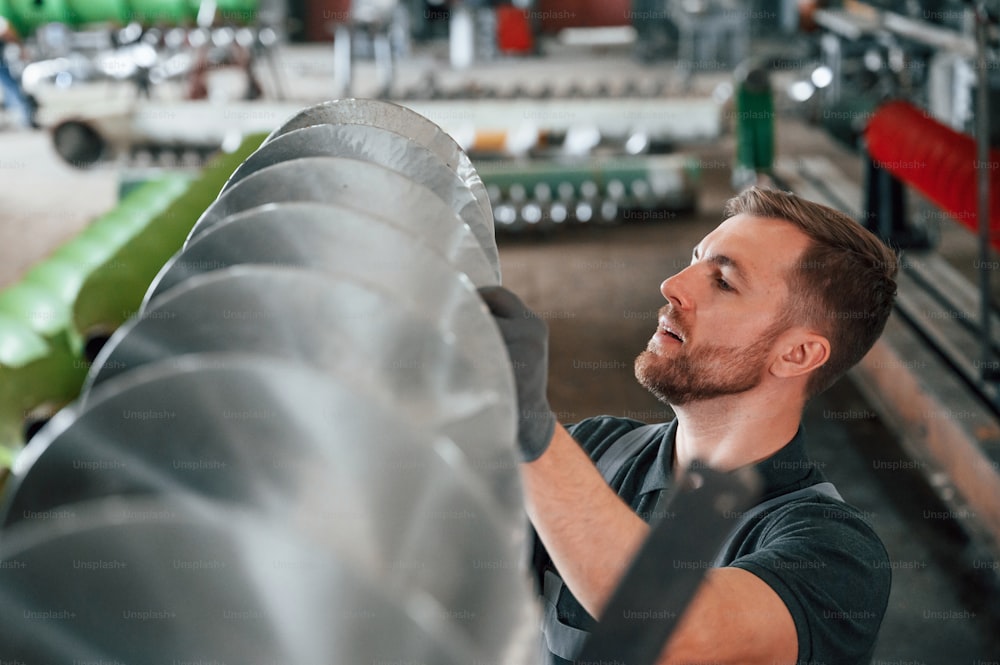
point(83, 12)
point(28, 15)
point(153, 12)
point(19, 344)
point(114, 291)
point(93, 282)
point(238, 11)
point(43, 311)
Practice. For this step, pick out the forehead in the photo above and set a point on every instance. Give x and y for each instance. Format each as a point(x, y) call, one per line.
point(766, 248)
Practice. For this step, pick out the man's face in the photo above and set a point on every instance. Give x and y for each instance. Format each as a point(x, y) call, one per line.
point(716, 334)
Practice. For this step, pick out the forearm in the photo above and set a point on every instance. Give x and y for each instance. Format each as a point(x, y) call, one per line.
point(589, 532)
point(592, 537)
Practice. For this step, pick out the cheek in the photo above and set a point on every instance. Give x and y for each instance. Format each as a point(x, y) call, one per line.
point(747, 325)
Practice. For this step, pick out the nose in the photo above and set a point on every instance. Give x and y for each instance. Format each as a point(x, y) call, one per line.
point(675, 291)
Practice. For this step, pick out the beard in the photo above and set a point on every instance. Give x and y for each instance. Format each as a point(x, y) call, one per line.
point(705, 372)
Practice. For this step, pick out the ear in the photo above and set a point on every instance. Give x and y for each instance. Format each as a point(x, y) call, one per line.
point(801, 352)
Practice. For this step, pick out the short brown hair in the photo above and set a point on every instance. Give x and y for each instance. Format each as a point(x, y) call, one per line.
point(843, 285)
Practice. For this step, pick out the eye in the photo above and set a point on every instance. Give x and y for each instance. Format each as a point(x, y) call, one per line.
point(723, 285)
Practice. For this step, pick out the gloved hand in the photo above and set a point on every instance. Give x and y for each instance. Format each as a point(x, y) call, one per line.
point(527, 339)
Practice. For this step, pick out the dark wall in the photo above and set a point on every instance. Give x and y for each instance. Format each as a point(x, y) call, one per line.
point(554, 15)
point(315, 17)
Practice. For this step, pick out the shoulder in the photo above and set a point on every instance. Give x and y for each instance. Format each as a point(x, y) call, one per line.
point(836, 524)
point(595, 434)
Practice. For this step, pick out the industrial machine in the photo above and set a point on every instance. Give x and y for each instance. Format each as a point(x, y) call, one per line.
point(143, 43)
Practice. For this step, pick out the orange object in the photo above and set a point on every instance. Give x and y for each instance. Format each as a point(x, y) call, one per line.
point(513, 30)
point(490, 141)
point(936, 160)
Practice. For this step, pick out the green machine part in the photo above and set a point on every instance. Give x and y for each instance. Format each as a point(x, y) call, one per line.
point(238, 10)
point(754, 109)
point(93, 283)
point(28, 15)
point(84, 12)
point(34, 376)
point(152, 12)
point(42, 361)
point(7, 12)
point(114, 291)
point(643, 180)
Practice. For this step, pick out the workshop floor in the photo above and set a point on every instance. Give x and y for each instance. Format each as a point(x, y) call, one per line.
point(598, 289)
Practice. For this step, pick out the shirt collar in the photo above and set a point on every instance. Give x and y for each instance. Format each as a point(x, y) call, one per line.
point(786, 470)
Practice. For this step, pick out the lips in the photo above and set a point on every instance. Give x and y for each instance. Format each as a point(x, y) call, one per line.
point(671, 330)
point(667, 334)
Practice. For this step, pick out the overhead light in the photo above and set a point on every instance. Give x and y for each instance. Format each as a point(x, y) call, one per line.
point(801, 91)
point(637, 143)
point(822, 76)
point(873, 60)
point(722, 92)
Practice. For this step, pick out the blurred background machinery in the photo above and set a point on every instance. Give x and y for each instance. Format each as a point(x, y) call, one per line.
point(605, 136)
point(143, 43)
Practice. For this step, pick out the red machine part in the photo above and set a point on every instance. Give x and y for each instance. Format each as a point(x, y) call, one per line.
point(936, 160)
point(514, 30)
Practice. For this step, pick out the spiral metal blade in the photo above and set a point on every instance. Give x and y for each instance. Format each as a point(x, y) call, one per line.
point(165, 582)
point(317, 235)
point(437, 376)
point(383, 147)
point(300, 448)
point(395, 118)
point(350, 182)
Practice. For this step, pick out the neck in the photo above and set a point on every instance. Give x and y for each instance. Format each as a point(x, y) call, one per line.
point(736, 430)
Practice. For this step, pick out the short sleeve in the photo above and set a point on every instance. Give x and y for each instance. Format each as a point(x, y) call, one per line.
point(831, 570)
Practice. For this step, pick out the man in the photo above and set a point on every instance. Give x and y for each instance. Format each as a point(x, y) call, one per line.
point(778, 302)
point(14, 97)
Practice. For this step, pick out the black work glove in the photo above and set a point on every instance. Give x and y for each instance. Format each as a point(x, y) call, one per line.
point(527, 339)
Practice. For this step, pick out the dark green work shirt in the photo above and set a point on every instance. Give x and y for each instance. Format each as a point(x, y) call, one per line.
point(819, 555)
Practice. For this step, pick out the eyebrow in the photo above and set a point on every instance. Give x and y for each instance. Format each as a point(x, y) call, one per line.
point(723, 261)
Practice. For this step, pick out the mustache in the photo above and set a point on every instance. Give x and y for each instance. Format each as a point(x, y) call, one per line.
point(673, 320)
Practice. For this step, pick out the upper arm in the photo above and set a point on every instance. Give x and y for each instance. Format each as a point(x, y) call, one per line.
point(829, 570)
point(812, 577)
point(735, 617)
point(833, 573)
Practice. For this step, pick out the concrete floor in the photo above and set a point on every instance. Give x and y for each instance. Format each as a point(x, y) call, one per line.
point(598, 290)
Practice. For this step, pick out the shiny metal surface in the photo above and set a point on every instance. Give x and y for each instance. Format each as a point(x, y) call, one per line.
point(386, 148)
point(450, 377)
point(178, 582)
point(314, 385)
point(319, 454)
point(354, 183)
point(323, 236)
point(423, 284)
point(395, 118)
